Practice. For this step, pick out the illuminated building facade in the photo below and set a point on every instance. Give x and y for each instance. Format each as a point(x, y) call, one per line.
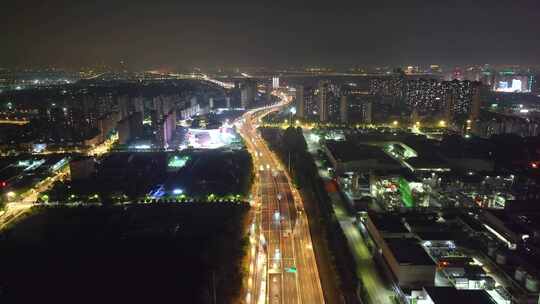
point(323, 101)
point(275, 82)
point(431, 96)
point(306, 103)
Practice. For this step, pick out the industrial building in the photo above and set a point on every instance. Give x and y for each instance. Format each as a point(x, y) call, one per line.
point(406, 259)
point(347, 156)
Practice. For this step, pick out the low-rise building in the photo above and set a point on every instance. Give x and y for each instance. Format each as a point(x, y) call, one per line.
point(347, 156)
point(451, 295)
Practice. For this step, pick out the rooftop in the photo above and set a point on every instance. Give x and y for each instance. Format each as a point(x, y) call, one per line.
point(450, 295)
point(388, 223)
point(346, 151)
point(419, 163)
point(409, 251)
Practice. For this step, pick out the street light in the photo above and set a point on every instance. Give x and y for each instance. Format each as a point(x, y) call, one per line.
point(292, 111)
point(442, 123)
point(395, 123)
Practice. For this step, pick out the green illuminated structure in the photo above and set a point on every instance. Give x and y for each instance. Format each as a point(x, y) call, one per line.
point(406, 193)
point(177, 161)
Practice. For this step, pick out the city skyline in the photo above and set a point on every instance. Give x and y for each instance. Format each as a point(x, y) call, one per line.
point(278, 152)
point(173, 35)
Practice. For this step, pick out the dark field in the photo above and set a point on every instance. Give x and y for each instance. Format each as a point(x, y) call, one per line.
point(141, 253)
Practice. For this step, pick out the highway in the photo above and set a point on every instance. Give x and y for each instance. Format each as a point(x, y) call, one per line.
point(25, 201)
point(283, 267)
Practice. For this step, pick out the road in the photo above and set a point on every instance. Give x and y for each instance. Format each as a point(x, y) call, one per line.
point(26, 200)
point(283, 267)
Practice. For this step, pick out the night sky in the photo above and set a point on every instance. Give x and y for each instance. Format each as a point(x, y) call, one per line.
point(185, 33)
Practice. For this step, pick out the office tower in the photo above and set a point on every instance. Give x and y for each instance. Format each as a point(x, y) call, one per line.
point(275, 83)
point(323, 101)
point(343, 109)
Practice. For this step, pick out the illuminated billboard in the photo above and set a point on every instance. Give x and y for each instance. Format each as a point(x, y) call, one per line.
point(513, 84)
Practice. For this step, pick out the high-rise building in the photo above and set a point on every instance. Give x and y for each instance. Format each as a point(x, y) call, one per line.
point(130, 127)
point(248, 93)
point(323, 101)
point(392, 87)
point(193, 101)
point(430, 96)
point(343, 109)
point(476, 102)
point(307, 104)
point(299, 102)
point(138, 104)
point(435, 69)
point(106, 124)
point(367, 112)
point(535, 80)
point(124, 131)
point(275, 82)
point(268, 92)
point(164, 131)
point(123, 106)
point(463, 96)
point(449, 101)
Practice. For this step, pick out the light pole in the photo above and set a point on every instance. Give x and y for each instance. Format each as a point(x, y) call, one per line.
point(292, 111)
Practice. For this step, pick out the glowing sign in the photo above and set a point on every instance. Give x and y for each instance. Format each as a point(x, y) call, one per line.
point(177, 161)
